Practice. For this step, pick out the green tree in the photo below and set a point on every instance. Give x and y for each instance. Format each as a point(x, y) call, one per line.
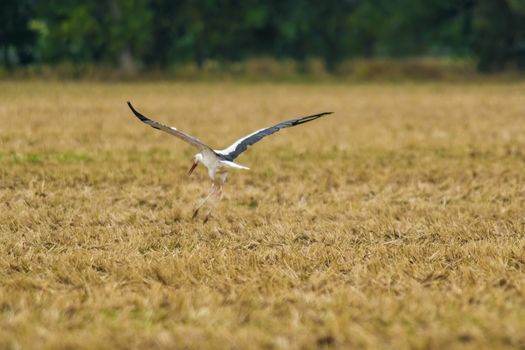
point(100, 31)
point(16, 38)
point(160, 33)
point(499, 34)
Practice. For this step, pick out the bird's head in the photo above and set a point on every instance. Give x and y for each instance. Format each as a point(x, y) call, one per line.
point(196, 160)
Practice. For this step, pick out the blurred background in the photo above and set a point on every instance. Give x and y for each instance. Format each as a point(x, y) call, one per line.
point(360, 39)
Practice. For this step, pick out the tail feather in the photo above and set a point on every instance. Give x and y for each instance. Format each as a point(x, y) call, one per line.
point(234, 165)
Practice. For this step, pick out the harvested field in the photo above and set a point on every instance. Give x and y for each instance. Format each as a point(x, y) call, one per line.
point(397, 222)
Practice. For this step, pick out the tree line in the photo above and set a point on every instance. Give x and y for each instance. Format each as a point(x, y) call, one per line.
point(164, 33)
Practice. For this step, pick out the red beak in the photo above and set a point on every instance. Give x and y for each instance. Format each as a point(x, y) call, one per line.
point(193, 167)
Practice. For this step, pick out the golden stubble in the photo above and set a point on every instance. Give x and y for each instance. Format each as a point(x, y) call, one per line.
point(397, 222)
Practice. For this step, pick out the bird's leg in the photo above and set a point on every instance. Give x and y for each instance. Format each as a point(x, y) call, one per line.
point(218, 195)
point(204, 200)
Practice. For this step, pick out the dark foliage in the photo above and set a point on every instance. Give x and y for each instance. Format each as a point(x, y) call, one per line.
point(163, 33)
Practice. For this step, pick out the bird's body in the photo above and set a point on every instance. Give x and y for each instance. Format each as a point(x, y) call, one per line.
point(213, 162)
point(219, 161)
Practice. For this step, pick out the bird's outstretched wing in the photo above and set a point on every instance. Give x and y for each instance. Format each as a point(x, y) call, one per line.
point(169, 129)
point(239, 146)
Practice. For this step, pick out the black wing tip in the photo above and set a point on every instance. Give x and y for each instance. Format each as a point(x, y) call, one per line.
point(318, 115)
point(131, 107)
point(310, 118)
point(137, 114)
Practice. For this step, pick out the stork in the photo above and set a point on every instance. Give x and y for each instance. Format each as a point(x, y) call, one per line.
point(219, 161)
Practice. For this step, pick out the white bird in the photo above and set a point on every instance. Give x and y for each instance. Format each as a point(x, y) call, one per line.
point(219, 161)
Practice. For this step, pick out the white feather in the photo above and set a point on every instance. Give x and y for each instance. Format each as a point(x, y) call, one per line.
point(233, 165)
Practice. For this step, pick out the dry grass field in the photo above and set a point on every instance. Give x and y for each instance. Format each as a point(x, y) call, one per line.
point(398, 222)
